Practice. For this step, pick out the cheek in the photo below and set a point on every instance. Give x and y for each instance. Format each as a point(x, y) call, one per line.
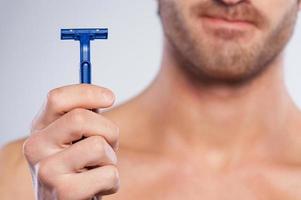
point(184, 6)
point(274, 10)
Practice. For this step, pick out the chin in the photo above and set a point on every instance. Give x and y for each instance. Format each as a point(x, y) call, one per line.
point(222, 69)
point(232, 75)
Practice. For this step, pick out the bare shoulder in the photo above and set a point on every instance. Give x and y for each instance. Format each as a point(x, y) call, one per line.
point(9, 153)
point(15, 182)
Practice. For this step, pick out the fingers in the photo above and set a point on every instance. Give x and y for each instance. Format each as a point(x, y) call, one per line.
point(63, 171)
point(71, 127)
point(78, 123)
point(101, 181)
point(90, 152)
point(64, 99)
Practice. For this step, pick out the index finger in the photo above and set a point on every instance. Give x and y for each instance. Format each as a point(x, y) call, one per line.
point(64, 99)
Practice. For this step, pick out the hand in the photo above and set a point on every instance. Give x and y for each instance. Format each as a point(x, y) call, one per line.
point(62, 168)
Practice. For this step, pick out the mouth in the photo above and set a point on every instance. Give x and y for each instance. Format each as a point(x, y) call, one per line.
point(226, 22)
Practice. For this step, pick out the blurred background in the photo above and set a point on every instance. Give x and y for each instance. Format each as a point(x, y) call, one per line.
point(34, 60)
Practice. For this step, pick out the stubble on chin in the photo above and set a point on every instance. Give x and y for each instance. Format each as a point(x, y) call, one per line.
point(221, 57)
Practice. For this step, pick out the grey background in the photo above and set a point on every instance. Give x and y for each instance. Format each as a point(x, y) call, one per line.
point(34, 60)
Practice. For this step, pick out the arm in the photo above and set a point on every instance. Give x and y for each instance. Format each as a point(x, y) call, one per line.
point(15, 181)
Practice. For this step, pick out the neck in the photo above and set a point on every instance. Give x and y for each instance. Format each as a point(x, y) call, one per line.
point(216, 115)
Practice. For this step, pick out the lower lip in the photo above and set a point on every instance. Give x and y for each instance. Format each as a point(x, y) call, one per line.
point(222, 23)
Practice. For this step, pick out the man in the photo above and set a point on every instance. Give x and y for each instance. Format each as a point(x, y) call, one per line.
point(217, 123)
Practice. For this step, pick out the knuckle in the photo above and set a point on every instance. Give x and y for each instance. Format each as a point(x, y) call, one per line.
point(112, 175)
point(98, 144)
point(44, 172)
point(29, 148)
point(112, 130)
point(77, 116)
point(113, 127)
point(76, 119)
point(53, 97)
point(116, 132)
point(112, 179)
point(115, 138)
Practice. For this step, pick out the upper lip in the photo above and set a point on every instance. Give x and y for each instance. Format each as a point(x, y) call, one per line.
point(230, 18)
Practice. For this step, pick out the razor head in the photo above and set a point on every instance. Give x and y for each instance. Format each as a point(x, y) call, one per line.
point(77, 34)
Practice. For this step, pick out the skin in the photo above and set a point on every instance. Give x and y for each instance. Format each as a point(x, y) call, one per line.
point(212, 128)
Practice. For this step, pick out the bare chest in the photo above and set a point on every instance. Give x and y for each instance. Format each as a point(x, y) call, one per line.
point(160, 182)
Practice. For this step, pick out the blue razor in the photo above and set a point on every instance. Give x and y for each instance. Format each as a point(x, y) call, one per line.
point(84, 36)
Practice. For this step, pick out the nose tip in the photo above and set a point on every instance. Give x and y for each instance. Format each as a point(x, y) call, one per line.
point(231, 2)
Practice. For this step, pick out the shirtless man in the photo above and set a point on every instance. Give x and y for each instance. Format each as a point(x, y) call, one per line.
point(217, 122)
